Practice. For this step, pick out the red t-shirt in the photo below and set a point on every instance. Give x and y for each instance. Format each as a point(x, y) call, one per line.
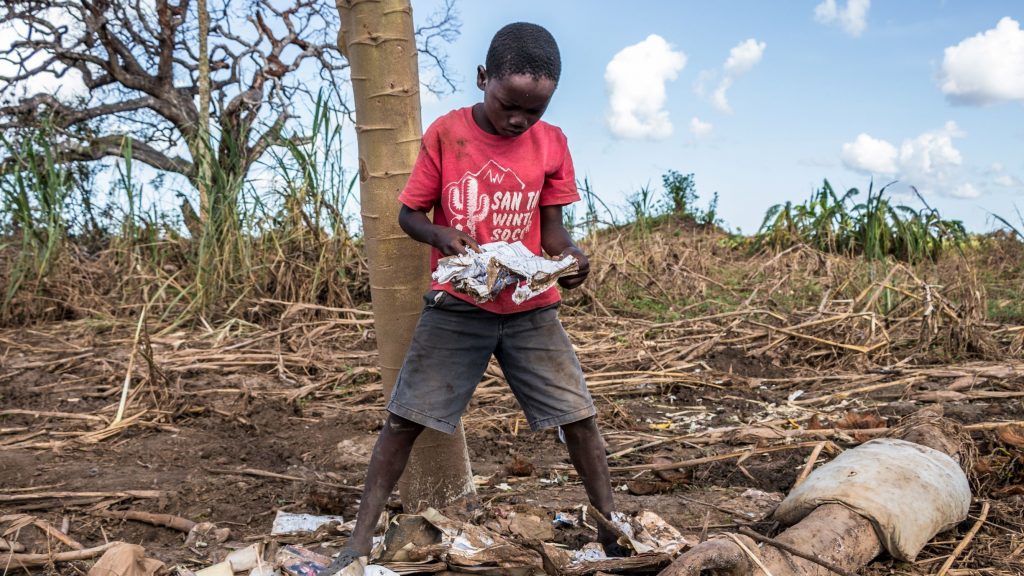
point(491, 187)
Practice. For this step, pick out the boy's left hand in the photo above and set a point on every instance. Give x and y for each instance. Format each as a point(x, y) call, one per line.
point(576, 279)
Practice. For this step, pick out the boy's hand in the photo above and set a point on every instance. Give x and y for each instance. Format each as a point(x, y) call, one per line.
point(451, 241)
point(576, 279)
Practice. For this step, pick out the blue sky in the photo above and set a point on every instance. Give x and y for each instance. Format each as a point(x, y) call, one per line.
point(839, 90)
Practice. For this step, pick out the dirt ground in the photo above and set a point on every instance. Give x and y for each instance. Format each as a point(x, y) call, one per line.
point(231, 427)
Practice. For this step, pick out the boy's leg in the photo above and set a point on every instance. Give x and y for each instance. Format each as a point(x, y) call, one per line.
point(390, 455)
point(587, 453)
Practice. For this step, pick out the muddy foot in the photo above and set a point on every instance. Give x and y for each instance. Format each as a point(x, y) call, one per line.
point(613, 549)
point(342, 561)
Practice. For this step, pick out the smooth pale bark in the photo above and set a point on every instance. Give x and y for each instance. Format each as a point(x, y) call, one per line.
point(377, 38)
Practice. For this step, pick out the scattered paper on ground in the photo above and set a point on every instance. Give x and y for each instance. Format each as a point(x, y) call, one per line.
point(126, 560)
point(290, 523)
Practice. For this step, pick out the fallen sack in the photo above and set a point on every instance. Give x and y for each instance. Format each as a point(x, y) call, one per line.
point(909, 492)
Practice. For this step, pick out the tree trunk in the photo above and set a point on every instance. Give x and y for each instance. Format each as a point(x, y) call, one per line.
point(203, 147)
point(377, 38)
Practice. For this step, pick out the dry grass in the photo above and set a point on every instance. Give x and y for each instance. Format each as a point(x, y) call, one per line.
point(691, 346)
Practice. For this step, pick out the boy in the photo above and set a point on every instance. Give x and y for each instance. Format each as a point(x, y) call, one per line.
point(491, 172)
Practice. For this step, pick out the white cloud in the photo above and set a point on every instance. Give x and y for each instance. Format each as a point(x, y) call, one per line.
point(867, 154)
point(965, 190)
point(932, 155)
point(699, 128)
point(636, 78)
point(742, 58)
point(1000, 177)
point(929, 161)
point(986, 68)
point(853, 18)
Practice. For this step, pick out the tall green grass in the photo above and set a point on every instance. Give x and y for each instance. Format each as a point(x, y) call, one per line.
point(284, 238)
point(875, 228)
point(34, 188)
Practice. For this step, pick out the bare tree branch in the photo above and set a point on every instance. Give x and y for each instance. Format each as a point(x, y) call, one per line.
point(137, 64)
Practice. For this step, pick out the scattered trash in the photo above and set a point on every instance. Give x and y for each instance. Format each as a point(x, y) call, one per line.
point(590, 552)
point(656, 535)
point(245, 558)
point(298, 561)
point(565, 520)
point(218, 569)
point(408, 538)
point(500, 265)
point(126, 560)
point(290, 524)
point(531, 527)
point(265, 570)
point(206, 533)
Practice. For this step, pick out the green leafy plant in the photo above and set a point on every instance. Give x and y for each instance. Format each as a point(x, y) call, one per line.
point(34, 187)
point(875, 228)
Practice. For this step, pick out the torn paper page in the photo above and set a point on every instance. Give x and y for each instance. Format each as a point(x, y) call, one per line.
point(287, 523)
point(500, 265)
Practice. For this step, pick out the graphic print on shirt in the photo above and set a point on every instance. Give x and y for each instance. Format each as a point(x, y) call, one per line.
point(494, 197)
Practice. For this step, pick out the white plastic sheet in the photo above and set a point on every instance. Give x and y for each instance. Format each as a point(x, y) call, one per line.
point(500, 265)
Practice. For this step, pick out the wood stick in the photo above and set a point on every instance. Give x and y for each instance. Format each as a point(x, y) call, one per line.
point(967, 540)
point(30, 488)
point(795, 552)
point(788, 332)
point(869, 388)
point(29, 560)
point(131, 366)
point(11, 546)
point(43, 414)
point(811, 461)
point(710, 459)
point(165, 520)
point(750, 554)
point(56, 533)
point(267, 474)
point(45, 495)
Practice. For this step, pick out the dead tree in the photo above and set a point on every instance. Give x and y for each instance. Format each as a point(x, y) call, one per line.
point(140, 66)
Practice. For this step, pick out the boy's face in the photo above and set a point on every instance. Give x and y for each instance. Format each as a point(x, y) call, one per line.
point(514, 103)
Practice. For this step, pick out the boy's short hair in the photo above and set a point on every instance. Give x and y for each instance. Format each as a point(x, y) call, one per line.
point(524, 48)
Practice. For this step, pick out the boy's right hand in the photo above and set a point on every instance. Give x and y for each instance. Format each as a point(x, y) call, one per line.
point(451, 241)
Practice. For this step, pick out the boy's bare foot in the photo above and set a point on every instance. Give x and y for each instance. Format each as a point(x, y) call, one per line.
point(344, 558)
point(613, 549)
point(608, 535)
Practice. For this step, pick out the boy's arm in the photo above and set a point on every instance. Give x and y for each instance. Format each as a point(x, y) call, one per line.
point(448, 240)
point(555, 240)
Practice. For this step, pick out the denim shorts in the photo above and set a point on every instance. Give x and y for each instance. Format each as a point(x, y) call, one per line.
point(453, 343)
